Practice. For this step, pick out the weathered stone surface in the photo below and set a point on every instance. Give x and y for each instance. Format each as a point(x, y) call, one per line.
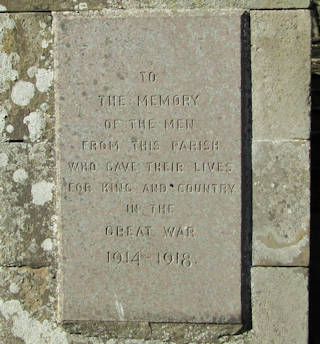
point(27, 221)
point(158, 332)
point(78, 339)
point(177, 270)
point(243, 338)
point(167, 332)
point(26, 76)
point(27, 296)
point(280, 60)
point(33, 288)
point(281, 200)
point(80, 5)
point(27, 307)
point(117, 329)
point(280, 305)
point(191, 333)
point(27, 316)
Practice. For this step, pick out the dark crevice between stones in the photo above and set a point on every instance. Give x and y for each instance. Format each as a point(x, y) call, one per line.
point(150, 327)
point(280, 266)
point(246, 174)
point(120, 6)
point(23, 266)
point(29, 12)
point(314, 282)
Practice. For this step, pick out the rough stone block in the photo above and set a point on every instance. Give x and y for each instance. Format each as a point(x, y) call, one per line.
point(80, 5)
point(181, 333)
point(33, 288)
point(281, 203)
point(27, 221)
point(246, 4)
point(280, 60)
point(26, 77)
point(27, 307)
point(280, 305)
point(196, 333)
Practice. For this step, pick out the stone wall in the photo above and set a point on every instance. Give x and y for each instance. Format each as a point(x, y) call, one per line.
point(280, 78)
point(315, 144)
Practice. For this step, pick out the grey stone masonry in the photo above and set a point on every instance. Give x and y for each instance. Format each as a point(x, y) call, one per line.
point(280, 60)
point(280, 305)
point(27, 217)
point(280, 128)
point(277, 272)
point(79, 5)
point(26, 77)
point(189, 79)
point(281, 212)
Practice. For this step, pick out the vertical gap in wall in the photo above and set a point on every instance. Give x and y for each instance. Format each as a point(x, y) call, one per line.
point(314, 337)
point(246, 171)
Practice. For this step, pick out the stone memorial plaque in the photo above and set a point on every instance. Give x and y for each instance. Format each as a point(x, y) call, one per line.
point(149, 166)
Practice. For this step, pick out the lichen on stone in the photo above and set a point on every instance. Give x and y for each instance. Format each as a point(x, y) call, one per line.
point(26, 77)
point(26, 204)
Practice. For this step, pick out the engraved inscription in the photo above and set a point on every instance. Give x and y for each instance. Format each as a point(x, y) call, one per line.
point(148, 76)
point(128, 231)
point(194, 145)
point(168, 100)
point(100, 145)
point(179, 124)
point(176, 232)
point(179, 259)
point(149, 167)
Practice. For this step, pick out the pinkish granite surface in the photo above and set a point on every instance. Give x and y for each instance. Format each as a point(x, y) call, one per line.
point(149, 167)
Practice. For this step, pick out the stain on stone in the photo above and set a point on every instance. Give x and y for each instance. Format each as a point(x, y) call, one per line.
point(120, 76)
